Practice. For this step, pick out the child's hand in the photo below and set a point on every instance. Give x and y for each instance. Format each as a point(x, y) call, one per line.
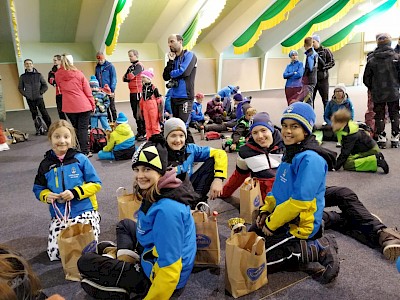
point(67, 195)
point(233, 147)
point(216, 188)
point(266, 231)
point(52, 197)
point(260, 221)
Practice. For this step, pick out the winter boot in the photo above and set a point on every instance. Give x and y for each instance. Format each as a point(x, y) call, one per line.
point(381, 162)
point(128, 255)
point(382, 140)
point(395, 141)
point(389, 239)
point(324, 251)
point(101, 246)
point(333, 220)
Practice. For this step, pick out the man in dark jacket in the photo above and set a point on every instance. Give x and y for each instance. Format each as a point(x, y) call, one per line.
point(382, 78)
point(180, 72)
point(32, 86)
point(106, 74)
point(325, 62)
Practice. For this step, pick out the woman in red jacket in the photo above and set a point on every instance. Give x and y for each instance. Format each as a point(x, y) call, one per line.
point(78, 102)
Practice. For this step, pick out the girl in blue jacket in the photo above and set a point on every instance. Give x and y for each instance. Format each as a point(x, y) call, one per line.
point(155, 255)
point(67, 181)
point(293, 74)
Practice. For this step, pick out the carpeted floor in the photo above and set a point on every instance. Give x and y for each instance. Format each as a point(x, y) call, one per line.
point(364, 273)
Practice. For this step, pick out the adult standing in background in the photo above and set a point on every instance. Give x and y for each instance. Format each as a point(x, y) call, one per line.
point(132, 76)
point(32, 86)
point(78, 102)
point(381, 77)
point(397, 48)
point(325, 62)
point(106, 74)
point(3, 140)
point(293, 74)
point(180, 72)
point(52, 80)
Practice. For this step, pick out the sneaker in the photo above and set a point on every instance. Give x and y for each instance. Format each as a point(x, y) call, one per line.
point(395, 141)
point(140, 138)
point(98, 291)
point(103, 245)
point(4, 147)
point(329, 259)
point(338, 145)
point(382, 141)
point(389, 239)
point(89, 154)
point(381, 162)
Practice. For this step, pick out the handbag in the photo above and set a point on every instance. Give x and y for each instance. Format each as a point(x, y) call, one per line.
point(128, 205)
point(245, 262)
point(73, 241)
point(250, 199)
point(207, 236)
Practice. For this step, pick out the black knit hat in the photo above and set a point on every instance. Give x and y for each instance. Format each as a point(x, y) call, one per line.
point(152, 154)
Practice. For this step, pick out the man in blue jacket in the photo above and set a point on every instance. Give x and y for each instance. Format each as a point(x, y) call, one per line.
point(180, 72)
point(105, 74)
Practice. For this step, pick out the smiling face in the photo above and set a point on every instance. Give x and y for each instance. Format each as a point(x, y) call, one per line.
point(28, 64)
point(61, 140)
point(145, 177)
point(176, 140)
point(262, 136)
point(292, 132)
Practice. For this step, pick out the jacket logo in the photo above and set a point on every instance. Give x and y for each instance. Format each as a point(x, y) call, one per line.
point(283, 176)
point(73, 170)
point(202, 241)
point(255, 273)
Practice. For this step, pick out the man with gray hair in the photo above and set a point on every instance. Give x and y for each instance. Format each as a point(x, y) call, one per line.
point(134, 80)
point(106, 74)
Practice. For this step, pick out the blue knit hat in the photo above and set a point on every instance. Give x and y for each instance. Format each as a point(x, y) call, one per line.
point(261, 119)
point(238, 97)
point(93, 82)
point(293, 52)
point(316, 38)
point(121, 118)
point(302, 113)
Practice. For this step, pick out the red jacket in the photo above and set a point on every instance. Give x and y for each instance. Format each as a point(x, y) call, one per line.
point(134, 81)
point(77, 95)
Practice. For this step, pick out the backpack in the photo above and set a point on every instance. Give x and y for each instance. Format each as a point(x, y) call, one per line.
point(97, 140)
point(40, 125)
point(16, 136)
point(212, 135)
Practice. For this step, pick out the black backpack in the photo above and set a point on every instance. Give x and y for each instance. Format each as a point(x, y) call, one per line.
point(40, 125)
point(97, 140)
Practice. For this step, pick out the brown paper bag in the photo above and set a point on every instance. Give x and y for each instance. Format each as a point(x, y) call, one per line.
point(207, 237)
point(250, 199)
point(245, 263)
point(128, 205)
point(73, 241)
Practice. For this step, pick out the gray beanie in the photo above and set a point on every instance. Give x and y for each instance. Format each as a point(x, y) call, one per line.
point(174, 124)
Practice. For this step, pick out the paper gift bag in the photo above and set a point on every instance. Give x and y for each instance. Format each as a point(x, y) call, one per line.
point(128, 205)
point(250, 199)
point(207, 237)
point(245, 263)
point(74, 241)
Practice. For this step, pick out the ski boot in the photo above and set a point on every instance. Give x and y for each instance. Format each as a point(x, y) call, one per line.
point(395, 141)
point(382, 141)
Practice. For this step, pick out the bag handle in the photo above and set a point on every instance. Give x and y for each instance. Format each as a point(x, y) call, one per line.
point(62, 217)
point(121, 191)
point(255, 249)
point(203, 207)
point(235, 229)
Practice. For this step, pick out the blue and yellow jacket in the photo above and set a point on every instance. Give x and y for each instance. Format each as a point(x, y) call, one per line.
point(184, 159)
point(167, 232)
point(298, 194)
point(75, 173)
point(121, 139)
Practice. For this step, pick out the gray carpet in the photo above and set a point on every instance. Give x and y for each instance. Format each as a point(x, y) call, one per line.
point(364, 273)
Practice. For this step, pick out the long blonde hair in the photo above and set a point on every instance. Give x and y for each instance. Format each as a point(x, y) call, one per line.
point(148, 194)
point(17, 274)
point(66, 63)
point(63, 123)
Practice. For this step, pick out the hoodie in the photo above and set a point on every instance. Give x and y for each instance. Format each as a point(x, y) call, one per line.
point(77, 95)
point(167, 232)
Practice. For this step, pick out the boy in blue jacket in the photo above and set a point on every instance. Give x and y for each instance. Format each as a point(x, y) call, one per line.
point(291, 219)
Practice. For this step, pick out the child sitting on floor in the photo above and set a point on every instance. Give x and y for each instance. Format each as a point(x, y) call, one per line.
point(241, 130)
point(121, 143)
point(359, 151)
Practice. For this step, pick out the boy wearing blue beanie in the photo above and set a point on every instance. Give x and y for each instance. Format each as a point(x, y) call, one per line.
point(291, 219)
